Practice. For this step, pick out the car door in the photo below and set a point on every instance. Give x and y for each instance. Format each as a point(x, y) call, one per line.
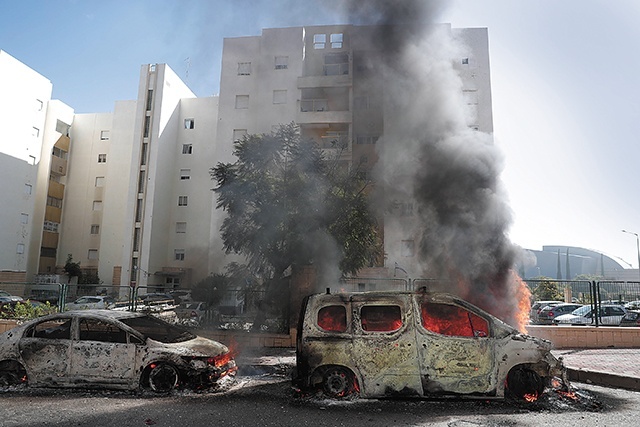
point(102, 354)
point(611, 315)
point(45, 349)
point(384, 347)
point(456, 349)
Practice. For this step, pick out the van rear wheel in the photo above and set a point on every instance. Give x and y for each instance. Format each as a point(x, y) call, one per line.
point(337, 382)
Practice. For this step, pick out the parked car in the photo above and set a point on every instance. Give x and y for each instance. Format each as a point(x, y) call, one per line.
point(550, 312)
point(384, 344)
point(191, 313)
point(157, 298)
point(632, 305)
point(181, 295)
point(7, 297)
point(91, 302)
point(110, 349)
point(537, 306)
point(632, 318)
point(608, 315)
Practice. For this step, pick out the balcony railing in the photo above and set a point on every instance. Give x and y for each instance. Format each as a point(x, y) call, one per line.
point(307, 105)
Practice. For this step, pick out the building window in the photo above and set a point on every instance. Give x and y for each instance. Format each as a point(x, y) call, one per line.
point(141, 181)
point(178, 254)
point(336, 64)
point(181, 227)
point(242, 102)
point(282, 62)
point(279, 96)
point(51, 226)
point(95, 229)
point(28, 189)
point(244, 68)
point(185, 173)
point(92, 254)
point(136, 239)
point(104, 135)
point(48, 252)
point(465, 61)
point(239, 134)
point(182, 200)
point(139, 205)
point(20, 248)
point(187, 148)
point(97, 205)
point(24, 218)
point(336, 41)
point(99, 181)
point(54, 202)
point(319, 41)
point(149, 99)
point(189, 123)
point(102, 158)
point(366, 139)
point(147, 126)
point(143, 154)
point(59, 153)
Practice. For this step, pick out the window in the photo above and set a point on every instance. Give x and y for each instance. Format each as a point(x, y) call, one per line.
point(185, 174)
point(452, 320)
point(97, 205)
point(51, 329)
point(242, 102)
point(333, 318)
point(54, 202)
point(102, 158)
point(182, 200)
point(51, 226)
point(244, 68)
point(104, 135)
point(366, 139)
point(380, 318)
point(139, 205)
point(181, 227)
point(336, 64)
point(20, 248)
point(465, 61)
point(319, 41)
point(28, 189)
point(136, 238)
point(282, 62)
point(143, 154)
point(95, 229)
point(239, 134)
point(92, 254)
point(279, 96)
point(189, 123)
point(48, 252)
point(147, 126)
point(407, 247)
point(99, 181)
point(178, 254)
point(187, 148)
point(149, 99)
point(98, 330)
point(59, 153)
point(336, 41)
point(24, 218)
point(141, 181)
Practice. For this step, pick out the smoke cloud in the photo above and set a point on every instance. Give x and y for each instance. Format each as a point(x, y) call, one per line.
point(443, 174)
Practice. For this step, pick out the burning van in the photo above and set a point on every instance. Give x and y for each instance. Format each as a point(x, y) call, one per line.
point(419, 344)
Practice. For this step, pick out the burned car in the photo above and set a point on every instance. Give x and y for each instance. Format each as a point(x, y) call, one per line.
point(110, 349)
point(384, 344)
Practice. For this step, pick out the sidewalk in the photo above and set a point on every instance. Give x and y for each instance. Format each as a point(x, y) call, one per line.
point(609, 367)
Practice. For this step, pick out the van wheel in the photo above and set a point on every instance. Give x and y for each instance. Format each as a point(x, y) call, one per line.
point(163, 378)
point(12, 373)
point(523, 383)
point(337, 382)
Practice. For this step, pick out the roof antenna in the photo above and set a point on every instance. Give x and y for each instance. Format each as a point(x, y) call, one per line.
point(188, 61)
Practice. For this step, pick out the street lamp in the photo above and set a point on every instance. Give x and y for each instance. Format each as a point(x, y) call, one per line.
point(638, 245)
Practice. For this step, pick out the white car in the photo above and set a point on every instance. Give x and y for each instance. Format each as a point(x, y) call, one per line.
point(91, 302)
point(609, 315)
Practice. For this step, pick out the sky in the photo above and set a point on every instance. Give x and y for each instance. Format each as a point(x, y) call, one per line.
point(565, 88)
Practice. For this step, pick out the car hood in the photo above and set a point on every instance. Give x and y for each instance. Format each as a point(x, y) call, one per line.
point(197, 347)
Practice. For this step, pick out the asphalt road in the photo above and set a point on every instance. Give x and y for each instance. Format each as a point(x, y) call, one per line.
point(268, 400)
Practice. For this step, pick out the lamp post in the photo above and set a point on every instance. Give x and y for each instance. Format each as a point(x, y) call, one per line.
point(638, 245)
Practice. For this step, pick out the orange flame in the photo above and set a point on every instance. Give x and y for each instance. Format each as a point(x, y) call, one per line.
point(523, 295)
point(531, 397)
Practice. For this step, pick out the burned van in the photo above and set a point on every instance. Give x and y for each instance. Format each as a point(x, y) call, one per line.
point(419, 344)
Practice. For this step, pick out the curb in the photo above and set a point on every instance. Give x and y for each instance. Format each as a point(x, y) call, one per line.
point(604, 379)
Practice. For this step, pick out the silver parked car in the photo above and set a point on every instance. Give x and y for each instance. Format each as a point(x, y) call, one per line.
point(91, 302)
point(608, 315)
point(110, 349)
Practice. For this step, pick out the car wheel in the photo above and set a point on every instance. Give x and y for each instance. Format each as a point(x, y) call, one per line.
point(163, 377)
point(12, 373)
point(337, 382)
point(524, 383)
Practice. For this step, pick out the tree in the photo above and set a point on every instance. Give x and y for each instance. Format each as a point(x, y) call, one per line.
point(72, 268)
point(281, 196)
point(288, 205)
point(547, 290)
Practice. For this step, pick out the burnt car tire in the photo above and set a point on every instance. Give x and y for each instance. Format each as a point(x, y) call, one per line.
point(522, 381)
point(163, 378)
point(12, 373)
point(337, 382)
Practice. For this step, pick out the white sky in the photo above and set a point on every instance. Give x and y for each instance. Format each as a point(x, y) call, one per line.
point(565, 78)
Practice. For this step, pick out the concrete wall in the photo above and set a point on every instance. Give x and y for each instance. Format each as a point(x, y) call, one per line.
point(587, 336)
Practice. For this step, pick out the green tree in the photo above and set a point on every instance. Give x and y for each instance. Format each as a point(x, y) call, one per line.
point(72, 268)
point(547, 290)
point(211, 289)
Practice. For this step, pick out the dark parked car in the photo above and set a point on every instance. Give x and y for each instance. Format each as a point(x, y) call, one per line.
point(110, 349)
point(632, 318)
point(548, 313)
point(537, 306)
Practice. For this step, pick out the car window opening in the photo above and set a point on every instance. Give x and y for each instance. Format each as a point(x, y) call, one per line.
point(380, 318)
point(451, 320)
point(333, 318)
point(158, 330)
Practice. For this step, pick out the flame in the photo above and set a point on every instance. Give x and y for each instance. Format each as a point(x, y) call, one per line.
point(523, 295)
point(568, 394)
point(453, 321)
point(531, 397)
point(225, 358)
